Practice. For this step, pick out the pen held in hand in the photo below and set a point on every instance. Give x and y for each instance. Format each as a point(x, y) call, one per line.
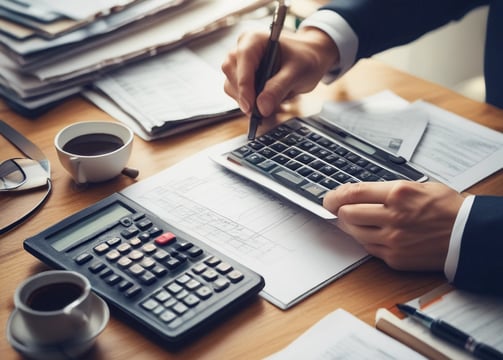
point(452, 335)
point(269, 64)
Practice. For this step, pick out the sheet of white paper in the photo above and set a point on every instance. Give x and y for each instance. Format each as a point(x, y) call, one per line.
point(341, 335)
point(455, 150)
point(274, 238)
point(384, 119)
point(168, 88)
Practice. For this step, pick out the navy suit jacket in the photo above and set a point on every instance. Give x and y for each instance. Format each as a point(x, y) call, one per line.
point(382, 24)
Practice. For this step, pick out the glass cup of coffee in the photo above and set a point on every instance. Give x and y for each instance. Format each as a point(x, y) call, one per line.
point(95, 151)
point(56, 307)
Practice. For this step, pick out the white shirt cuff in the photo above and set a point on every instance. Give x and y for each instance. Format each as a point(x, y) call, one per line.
point(341, 33)
point(451, 262)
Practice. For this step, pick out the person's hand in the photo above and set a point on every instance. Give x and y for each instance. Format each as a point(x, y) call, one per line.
point(406, 224)
point(304, 58)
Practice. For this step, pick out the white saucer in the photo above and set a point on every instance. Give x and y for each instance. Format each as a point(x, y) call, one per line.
point(17, 330)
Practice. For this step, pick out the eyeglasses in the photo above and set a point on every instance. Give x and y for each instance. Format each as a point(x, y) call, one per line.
point(19, 175)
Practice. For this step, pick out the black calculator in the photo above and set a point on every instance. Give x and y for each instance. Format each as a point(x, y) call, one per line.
point(169, 282)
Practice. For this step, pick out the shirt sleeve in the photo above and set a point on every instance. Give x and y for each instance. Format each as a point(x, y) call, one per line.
point(341, 33)
point(452, 259)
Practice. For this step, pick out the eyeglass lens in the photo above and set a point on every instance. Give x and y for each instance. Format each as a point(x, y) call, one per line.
point(11, 175)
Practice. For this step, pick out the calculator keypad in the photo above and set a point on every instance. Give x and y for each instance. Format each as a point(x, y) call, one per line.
point(145, 255)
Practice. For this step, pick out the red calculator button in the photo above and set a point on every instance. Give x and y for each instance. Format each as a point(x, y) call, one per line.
point(165, 238)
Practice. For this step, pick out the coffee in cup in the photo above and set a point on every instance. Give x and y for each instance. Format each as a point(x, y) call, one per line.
point(56, 307)
point(94, 151)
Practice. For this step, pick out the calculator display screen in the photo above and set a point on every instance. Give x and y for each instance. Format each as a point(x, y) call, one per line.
point(87, 226)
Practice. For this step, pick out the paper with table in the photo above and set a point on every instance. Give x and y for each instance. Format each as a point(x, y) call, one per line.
point(295, 251)
point(452, 149)
point(478, 315)
point(173, 92)
point(341, 335)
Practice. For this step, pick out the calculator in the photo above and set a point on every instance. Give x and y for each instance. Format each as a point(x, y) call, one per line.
point(172, 284)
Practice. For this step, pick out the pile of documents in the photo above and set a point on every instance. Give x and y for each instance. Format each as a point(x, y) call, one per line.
point(52, 49)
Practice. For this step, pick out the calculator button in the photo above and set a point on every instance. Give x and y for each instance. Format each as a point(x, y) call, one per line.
point(161, 255)
point(183, 279)
point(192, 284)
point(125, 284)
point(147, 278)
point(235, 276)
point(124, 248)
point(191, 300)
point(199, 268)
point(126, 222)
point(149, 248)
point(150, 304)
point(221, 284)
point(223, 268)
point(113, 279)
point(101, 248)
point(135, 242)
point(210, 275)
point(132, 291)
point(82, 258)
point(135, 255)
point(114, 241)
point(130, 232)
point(204, 292)
point(147, 263)
point(106, 272)
point(113, 255)
point(144, 224)
point(162, 296)
point(172, 263)
point(159, 271)
point(124, 262)
point(212, 261)
point(96, 267)
point(194, 251)
point(144, 236)
point(174, 288)
point(165, 238)
point(167, 316)
point(155, 231)
point(180, 308)
point(183, 245)
point(136, 270)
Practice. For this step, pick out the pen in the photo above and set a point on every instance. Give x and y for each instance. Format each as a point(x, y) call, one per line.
point(452, 335)
point(268, 63)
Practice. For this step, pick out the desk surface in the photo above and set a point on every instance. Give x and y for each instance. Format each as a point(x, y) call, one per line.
point(259, 329)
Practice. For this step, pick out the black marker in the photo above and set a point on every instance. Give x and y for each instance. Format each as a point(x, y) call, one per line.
point(452, 335)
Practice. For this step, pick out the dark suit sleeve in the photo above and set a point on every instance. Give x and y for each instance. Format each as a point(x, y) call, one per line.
point(382, 24)
point(480, 266)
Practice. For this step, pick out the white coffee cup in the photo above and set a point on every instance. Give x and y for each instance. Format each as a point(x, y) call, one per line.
point(55, 307)
point(94, 151)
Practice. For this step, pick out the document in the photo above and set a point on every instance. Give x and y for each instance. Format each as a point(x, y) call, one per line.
point(386, 120)
point(341, 335)
point(452, 149)
point(478, 315)
point(295, 251)
point(173, 92)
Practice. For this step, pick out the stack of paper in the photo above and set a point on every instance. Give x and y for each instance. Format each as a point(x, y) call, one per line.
point(52, 49)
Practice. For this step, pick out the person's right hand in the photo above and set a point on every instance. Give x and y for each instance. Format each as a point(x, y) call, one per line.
point(304, 58)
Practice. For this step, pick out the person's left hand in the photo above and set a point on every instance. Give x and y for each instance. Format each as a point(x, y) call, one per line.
point(407, 224)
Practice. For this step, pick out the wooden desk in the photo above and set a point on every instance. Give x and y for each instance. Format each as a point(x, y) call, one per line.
point(260, 328)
